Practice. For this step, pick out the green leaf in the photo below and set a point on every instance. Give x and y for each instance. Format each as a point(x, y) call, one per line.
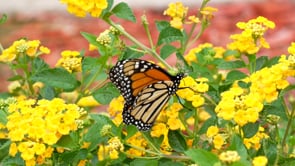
point(169, 35)
point(202, 157)
point(176, 141)
point(67, 141)
point(47, 92)
point(162, 25)
point(229, 53)
point(15, 78)
point(105, 94)
point(13, 161)
point(90, 38)
point(3, 117)
point(130, 130)
point(277, 108)
point(4, 147)
point(260, 62)
point(250, 129)
point(228, 65)
point(129, 53)
point(3, 19)
point(235, 75)
point(58, 78)
point(122, 10)
point(72, 157)
point(143, 162)
point(272, 61)
point(168, 162)
point(167, 50)
point(209, 122)
point(39, 65)
point(238, 145)
point(93, 133)
point(270, 150)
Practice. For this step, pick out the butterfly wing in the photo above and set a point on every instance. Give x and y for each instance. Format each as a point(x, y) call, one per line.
point(131, 76)
point(147, 105)
point(146, 89)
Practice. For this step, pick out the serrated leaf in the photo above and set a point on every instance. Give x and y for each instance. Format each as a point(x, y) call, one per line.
point(270, 150)
point(235, 75)
point(90, 37)
point(260, 62)
point(167, 50)
point(162, 25)
point(58, 78)
point(68, 142)
point(250, 129)
point(202, 157)
point(169, 35)
point(39, 65)
point(228, 65)
point(176, 141)
point(237, 144)
point(129, 53)
point(122, 10)
point(105, 94)
point(72, 157)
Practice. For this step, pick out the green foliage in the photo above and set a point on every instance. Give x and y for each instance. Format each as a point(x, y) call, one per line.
point(219, 92)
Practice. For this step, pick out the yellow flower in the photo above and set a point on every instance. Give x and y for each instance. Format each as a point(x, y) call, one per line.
point(177, 12)
point(229, 156)
point(42, 122)
point(207, 12)
point(104, 38)
point(13, 149)
point(138, 141)
point(32, 47)
point(81, 7)
point(212, 131)
point(259, 161)
point(88, 101)
point(291, 49)
point(102, 152)
point(218, 141)
point(115, 146)
point(44, 50)
point(115, 110)
point(159, 129)
point(71, 61)
point(251, 39)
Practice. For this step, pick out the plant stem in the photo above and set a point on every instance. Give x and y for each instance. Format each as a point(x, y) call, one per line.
point(146, 28)
point(288, 127)
point(139, 44)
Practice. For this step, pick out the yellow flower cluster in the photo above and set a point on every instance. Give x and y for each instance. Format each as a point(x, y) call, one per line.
point(111, 150)
point(178, 13)
point(34, 126)
point(115, 110)
point(255, 141)
point(190, 89)
point(214, 136)
point(243, 105)
point(71, 61)
point(138, 142)
point(191, 56)
point(20, 47)
point(260, 161)
point(251, 39)
point(80, 8)
point(229, 156)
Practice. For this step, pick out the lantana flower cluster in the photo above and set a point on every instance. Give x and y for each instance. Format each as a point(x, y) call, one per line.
point(35, 125)
point(22, 47)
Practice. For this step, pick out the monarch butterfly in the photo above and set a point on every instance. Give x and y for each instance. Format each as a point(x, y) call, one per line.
point(146, 89)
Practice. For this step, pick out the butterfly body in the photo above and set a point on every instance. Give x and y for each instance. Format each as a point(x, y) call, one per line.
point(146, 89)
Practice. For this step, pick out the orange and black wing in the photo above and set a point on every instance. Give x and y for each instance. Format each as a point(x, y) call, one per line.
point(145, 87)
point(132, 75)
